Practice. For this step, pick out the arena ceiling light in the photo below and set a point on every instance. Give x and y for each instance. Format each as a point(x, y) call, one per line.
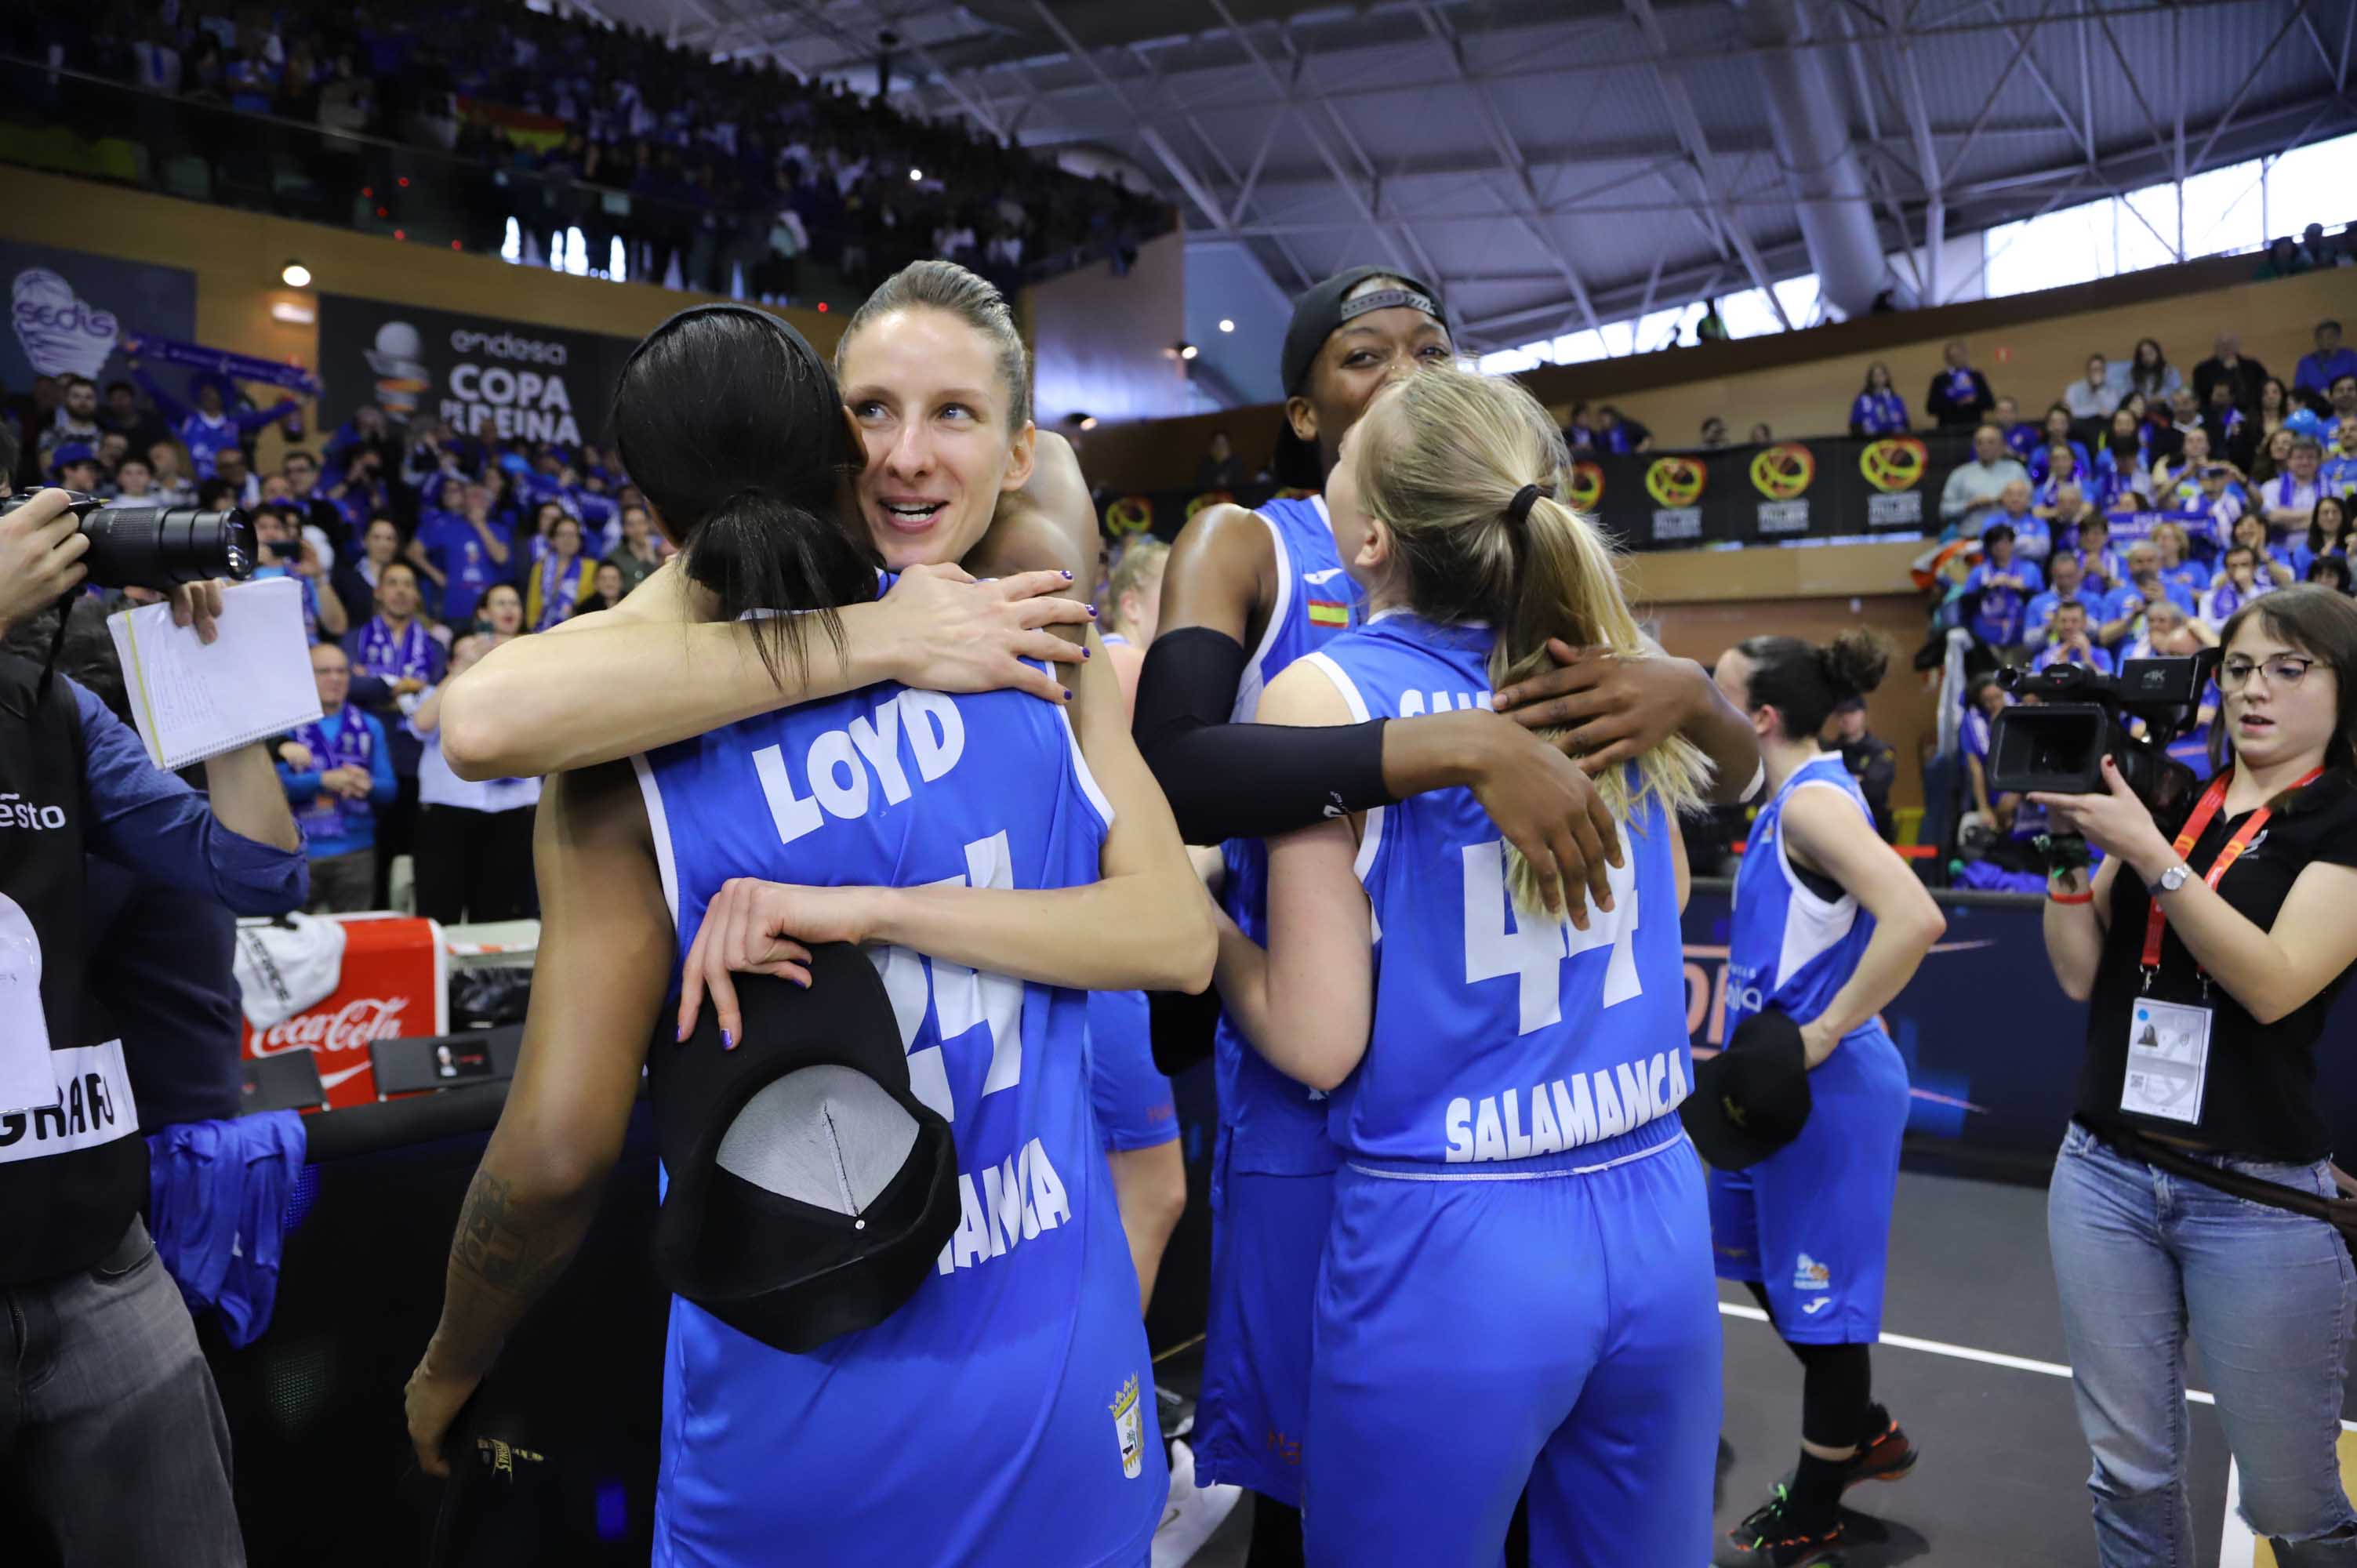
point(915, 174)
point(1088, 422)
point(1226, 325)
point(1188, 351)
point(295, 274)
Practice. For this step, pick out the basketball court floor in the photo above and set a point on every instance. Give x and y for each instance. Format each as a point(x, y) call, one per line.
point(1972, 1364)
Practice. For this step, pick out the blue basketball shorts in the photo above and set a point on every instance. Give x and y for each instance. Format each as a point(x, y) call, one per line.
point(1132, 1101)
point(1547, 1324)
point(1812, 1221)
point(1267, 1233)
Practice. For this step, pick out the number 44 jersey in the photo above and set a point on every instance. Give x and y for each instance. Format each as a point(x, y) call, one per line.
point(1497, 1035)
point(1005, 1414)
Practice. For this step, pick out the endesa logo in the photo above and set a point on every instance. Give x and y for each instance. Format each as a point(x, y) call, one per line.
point(506, 346)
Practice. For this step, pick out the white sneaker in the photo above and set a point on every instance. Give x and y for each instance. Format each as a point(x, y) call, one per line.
point(1193, 1514)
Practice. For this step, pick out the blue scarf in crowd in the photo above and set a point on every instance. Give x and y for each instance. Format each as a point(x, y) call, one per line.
point(339, 818)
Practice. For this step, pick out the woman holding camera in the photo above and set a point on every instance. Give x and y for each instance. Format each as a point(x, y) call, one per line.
point(2209, 952)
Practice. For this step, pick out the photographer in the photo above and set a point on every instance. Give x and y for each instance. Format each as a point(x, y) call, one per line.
point(108, 1398)
point(2209, 951)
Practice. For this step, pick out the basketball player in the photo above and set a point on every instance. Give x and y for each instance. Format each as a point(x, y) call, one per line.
point(1135, 1107)
point(1516, 1288)
point(1270, 581)
point(1829, 924)
point(995, 1418)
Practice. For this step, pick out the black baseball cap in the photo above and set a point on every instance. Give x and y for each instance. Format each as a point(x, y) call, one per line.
point(1316, 315)
point(1751, 1099)
point(810, 1190)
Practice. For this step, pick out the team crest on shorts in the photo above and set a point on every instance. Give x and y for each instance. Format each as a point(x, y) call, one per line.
point(1811, 1274)
point(1129, 1428)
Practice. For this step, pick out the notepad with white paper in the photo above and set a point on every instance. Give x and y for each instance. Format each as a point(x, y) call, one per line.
point(192, 700)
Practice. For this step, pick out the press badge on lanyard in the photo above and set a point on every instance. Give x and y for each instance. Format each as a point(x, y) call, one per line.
point(2168, 1042)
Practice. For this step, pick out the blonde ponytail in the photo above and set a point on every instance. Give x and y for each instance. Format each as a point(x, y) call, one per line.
point(1441, 468)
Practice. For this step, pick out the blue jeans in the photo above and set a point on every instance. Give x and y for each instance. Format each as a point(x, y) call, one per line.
point(2142, 1259)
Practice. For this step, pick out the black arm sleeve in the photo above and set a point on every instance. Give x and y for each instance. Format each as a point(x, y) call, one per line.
point(1230, 780)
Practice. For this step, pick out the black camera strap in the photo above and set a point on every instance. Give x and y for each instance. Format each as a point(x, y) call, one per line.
point(2339, 1212)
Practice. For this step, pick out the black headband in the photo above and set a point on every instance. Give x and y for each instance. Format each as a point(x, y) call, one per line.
point(1518, 510)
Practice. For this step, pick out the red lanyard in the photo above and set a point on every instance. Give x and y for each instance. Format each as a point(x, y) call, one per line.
point(2190, 834)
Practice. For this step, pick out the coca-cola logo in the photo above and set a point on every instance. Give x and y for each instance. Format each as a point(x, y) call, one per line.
point(349, 1028)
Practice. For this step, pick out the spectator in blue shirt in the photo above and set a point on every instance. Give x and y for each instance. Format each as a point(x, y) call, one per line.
point(2033, 541)
point(2021, 438)
point(1985, 699)
point(280, 553)
point(2177, 562)
point(2093, 545)
point(2273, 561)
point(2344, 405)
point(2058, 431)
point(1878, 409)
point(2332, 571)
point(2339, 474)
point(2286, 499)
point(1617, 433)
point(464, 555)
point(209, 426)
point(2065, 465)
point(2070, 643)
point(2005, 586)
point(2067, 586)
point(2328, 530)
point(2238, 585)
point(2121, 617)
point(395, 660)
point(335, 798)
point(2096, 394)
point(1959, 395)
point(2125, 459)
point(2331, 362)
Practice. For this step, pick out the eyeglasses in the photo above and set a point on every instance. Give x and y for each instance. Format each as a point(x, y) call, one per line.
point(2284, 670)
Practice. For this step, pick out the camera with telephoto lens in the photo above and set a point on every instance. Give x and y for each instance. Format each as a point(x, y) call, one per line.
point(158, 547)
point(2056, 745)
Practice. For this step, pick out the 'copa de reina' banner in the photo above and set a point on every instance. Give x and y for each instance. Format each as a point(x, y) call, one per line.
point(487, 377)
point(1778, 494)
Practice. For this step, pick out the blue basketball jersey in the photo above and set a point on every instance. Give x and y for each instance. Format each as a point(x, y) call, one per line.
point(1790, 947)
point(1004, 1415)
point(1274, 1126)
point(1497, 1035)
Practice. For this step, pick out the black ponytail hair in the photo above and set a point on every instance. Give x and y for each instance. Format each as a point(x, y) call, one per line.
point(730, 425)
point(1805, 682)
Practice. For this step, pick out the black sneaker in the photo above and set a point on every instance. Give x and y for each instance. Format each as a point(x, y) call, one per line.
point(1888, 1455)
point(1769, 1538)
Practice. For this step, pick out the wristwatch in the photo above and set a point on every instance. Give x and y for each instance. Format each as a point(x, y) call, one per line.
point(2172, 880)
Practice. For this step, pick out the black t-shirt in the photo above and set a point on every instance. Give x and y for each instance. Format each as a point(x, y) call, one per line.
point(2260, 1097)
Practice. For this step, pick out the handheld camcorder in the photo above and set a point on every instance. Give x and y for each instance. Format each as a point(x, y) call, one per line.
point(2057, 744)
point(158, 547)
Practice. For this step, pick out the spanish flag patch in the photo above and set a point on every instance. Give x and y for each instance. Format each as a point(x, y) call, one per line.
point(1325, 612)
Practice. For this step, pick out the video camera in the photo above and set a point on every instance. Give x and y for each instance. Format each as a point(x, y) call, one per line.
point(157, 547)
point(2056, 745)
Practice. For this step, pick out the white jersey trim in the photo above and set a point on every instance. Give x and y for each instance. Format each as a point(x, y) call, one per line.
point(1813, 925)
point(1663, 1147)
point(659, 822)
point(1372, 839)
point(1255, 679)
point(1088, 781)
point(80, 1117)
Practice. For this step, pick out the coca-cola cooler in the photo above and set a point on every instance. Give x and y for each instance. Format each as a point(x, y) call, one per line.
point(395, 982)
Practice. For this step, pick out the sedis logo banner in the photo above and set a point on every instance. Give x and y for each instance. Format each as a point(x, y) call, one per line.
point(70, 314)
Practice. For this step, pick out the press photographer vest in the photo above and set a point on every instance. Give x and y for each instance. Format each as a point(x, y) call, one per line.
point(73, 1172)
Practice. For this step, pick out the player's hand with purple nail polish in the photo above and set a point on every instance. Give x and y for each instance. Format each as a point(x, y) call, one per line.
point(759, 928)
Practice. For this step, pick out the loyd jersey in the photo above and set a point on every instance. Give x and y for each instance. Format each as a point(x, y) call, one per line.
point(995, 1419)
